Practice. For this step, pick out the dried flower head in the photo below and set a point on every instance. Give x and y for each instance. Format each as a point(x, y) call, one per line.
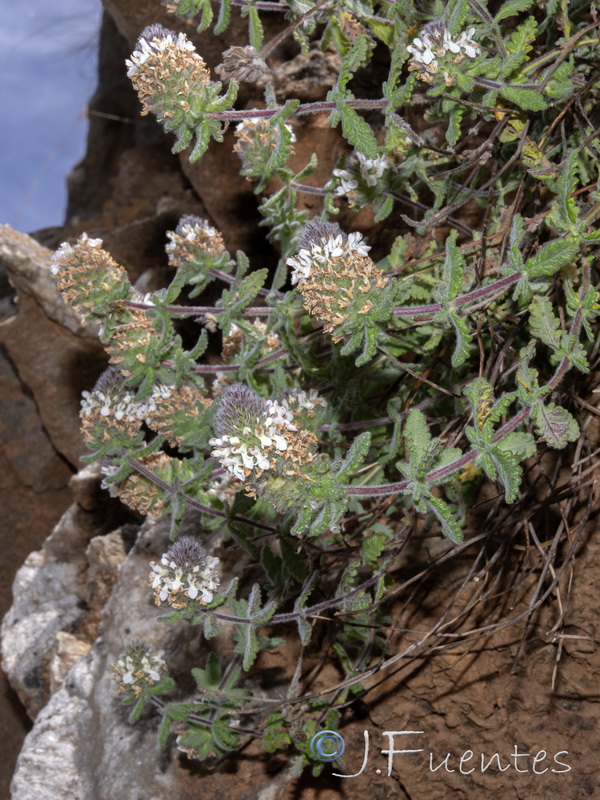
point(136, 668)
point(232, 343)
point(185, 576)
point(139, 492)
point(243, 64)
point(334, 274)
point(88, 277)
point(166, 71)
point(435, 42)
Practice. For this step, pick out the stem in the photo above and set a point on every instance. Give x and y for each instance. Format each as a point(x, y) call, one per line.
point(305, 108)
point(268, 48)
point(185, 311)
point(147, 473)
point(470, 297)
point(440, 474)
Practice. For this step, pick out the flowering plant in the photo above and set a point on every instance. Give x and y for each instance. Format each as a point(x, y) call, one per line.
point(360, 402)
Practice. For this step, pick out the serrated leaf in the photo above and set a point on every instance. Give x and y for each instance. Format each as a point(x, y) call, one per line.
point(357, 131)
point(519, 443)
point(551, 257)
point(224, 17)
point(445, 516)
point(416, 435)
point(223, 736)
point(256, 31)
point(555, 425)
point(527, 99)
point(456, 13)
point(563, 216)
point(372, 548)
point(209, 677)
point(521, 38)
point(464, 338)
point(512, 8)
point(542, 322)
point(509, 472)
point(355, 456)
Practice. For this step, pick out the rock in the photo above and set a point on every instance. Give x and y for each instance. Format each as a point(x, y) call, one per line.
point(56, 355)
point(61, 588)
point(81, 739)
point(65, 654)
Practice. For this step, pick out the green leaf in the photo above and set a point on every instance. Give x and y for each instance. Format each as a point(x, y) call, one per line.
point(521, 38)
point(464, 338)
point(416, 435)
point(223, 736)
point(209, 677)
point(355, 456)
point(527, 99)
point(456, 13)
point(519, 443)
point(445, 516)
point(372, 548)
point(357, 131)
point(555, 425)
point(275, 736)
point(542, 322)
point(509, 472)
point(256, 31)
point(224, 17)
point(512, 8)
point(564, 215)
point(551, 257)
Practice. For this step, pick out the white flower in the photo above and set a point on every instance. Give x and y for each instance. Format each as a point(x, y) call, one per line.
point(324, 250)
point(435, 42)
point(185, 573)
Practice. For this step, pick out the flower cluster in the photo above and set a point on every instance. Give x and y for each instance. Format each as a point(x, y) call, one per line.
point(192, 240)
point(136, 668)
point(334, 274)
point(255, 141)
point(435, 42)
point(260, 444)
point(251, 430)
point(359, 173)
point(88, 277)
point(186, 575)
point(166, 71)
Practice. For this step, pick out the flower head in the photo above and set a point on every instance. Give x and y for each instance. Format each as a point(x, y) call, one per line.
point(359, 173)
point(255, 141)
point(242, 64)
point(166, 71)
point(193, 239)
point(136, 668)
point(186, 575)
point(435, 43)
point(257, 436)
point(88, 277)
point(334, 274)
